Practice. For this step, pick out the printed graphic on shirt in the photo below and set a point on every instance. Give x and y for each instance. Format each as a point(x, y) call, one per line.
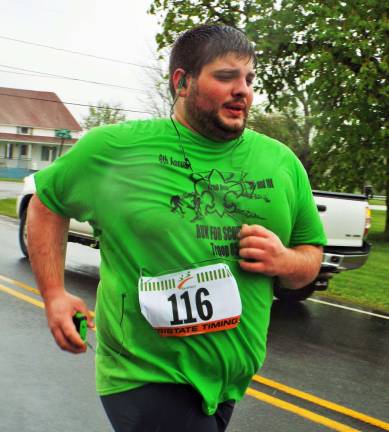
point(222, 194)
point(168, 160)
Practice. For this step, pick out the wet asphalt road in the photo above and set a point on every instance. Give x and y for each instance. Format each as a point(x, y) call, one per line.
point(337, 355)
point(10, 189)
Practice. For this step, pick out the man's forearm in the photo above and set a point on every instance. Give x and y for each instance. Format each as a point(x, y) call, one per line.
point(303, 266)
point(47, 240)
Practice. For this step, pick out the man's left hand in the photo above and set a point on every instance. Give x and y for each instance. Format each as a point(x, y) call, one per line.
point(263, 252)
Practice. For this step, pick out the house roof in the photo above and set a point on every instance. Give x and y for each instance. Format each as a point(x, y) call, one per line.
point(9, 137)
point(37, 109)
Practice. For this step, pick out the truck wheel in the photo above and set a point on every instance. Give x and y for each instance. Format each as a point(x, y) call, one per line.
point(291, 295)
point(23, 233)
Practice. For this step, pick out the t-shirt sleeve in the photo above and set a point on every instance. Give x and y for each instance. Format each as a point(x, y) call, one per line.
point(67, 186)
point(307, 227)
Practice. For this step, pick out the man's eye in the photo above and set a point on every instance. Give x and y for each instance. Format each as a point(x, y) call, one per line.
point(223, 77)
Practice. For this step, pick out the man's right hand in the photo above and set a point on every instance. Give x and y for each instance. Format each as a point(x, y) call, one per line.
point(47, 234)
point(60, 310)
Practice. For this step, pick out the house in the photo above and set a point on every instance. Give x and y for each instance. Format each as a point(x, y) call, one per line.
point(35, 128)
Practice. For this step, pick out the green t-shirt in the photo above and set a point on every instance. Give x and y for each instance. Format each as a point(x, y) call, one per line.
point(161, 203)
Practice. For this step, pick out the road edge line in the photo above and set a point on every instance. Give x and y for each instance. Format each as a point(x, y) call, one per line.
point(314, 300)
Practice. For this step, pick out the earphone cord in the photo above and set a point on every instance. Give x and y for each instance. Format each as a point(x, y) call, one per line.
point(178, 132)
point(171, 116)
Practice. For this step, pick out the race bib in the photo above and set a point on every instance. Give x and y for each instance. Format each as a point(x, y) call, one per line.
point(196, 301)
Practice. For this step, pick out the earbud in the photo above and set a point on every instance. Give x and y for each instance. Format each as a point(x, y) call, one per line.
point(181, 83)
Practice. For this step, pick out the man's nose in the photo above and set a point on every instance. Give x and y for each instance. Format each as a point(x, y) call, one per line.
point(241, 88)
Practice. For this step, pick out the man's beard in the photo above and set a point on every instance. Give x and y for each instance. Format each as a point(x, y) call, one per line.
point(208, 123)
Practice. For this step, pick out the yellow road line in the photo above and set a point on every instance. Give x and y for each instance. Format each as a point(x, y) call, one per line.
point(322, 402)
point(28, 299)
point(22, 296)
point(28, 288)
point(20, 284)
point(313, 417)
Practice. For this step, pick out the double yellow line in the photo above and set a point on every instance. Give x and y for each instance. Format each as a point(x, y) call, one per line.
point(334, 425)
point(264, 397)
point(22, 296)
point(18, 294)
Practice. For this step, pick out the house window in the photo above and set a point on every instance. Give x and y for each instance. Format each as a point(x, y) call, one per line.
point(48, 154)
point(9, 151)
point(24, 130)
point(23, 150)
point(45, 153)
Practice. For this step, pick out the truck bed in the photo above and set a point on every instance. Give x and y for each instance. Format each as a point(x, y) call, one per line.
point(343, 216)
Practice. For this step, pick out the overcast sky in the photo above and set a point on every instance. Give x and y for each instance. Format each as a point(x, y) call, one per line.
point(118, 29)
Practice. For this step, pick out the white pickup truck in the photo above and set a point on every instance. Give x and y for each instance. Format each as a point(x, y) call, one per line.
point(346, 220)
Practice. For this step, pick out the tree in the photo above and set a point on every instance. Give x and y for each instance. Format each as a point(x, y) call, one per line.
point(344, 45)
point(277, 126)
point(103, 113)
point(158, 100)
point(326, 60)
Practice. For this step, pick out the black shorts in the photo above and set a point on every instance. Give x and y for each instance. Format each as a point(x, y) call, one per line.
point(164, 408)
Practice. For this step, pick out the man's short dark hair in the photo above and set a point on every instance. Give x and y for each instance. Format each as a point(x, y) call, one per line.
point(201, 45)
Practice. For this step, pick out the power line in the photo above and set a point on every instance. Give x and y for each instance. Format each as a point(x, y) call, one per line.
point(77, 52)
point(74, 103)
point(21, 73)
point(73, 78)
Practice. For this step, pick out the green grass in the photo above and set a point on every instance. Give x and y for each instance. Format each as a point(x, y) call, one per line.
point(11, 180)
point(8, 207)
point(367, 286)
point(376, 232)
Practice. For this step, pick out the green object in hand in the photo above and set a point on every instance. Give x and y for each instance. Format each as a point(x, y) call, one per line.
point(81, 324)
